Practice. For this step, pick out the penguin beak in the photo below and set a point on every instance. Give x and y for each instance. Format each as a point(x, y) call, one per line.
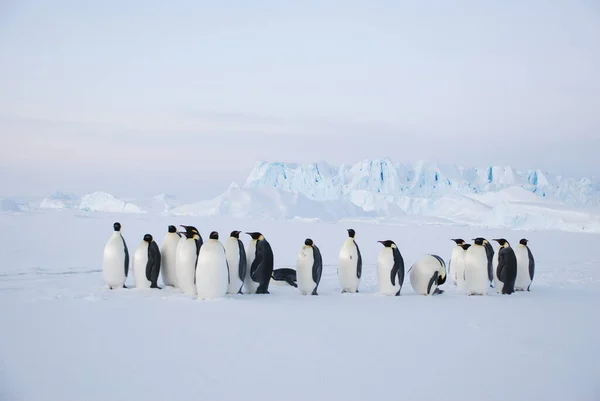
point(381, 242)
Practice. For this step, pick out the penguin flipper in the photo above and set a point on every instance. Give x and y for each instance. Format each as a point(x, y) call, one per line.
point(531, 265)
point(398, 269)
point(126, 256)
point(317, 265)
point(432, 280)
point(359, 262)
point(243, 262)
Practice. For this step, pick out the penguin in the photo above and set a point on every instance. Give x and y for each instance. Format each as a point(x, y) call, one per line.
point(525, 266)
point(146, 263)
point(455, 267)
point(261, 267)
point(284, 275)
point(168, 252)
point(350, 264)
point(489, 251)
point(427, 274)
point(187, 255)
point(250, 285)
point(236, 260)
point(507, 266)
point(390, 269)
point(309, 265)
point(476, 271)
point(212, 271)
point(115, 263)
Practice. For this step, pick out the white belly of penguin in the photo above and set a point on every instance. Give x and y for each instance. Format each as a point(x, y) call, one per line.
point(250, 286)
point(460, 264)
point(385, 263)
point(476, 276)
point(304, 267)
point(140, 261)
point(113, 264)
point(523, 280)
point(454, 269)
point(348, 259)
point(186, 266)
point(211, 271)
point(168, 260)
point(421, 273)
point(232, 249)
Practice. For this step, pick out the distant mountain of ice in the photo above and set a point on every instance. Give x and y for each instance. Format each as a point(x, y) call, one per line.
point(103, 202)
point(321, 181)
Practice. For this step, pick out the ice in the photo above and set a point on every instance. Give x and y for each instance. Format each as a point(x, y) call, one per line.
point(65, 337)
point(103, 202)
point(60, 200)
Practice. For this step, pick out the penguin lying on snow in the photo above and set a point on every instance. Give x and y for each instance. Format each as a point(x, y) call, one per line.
point(309, 265)
point(427, 274)
point(285, 274)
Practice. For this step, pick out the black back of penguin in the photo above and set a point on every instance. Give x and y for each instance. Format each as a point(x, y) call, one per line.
point(153, 265)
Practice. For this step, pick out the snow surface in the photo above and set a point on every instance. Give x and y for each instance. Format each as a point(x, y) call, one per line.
point(65, 337)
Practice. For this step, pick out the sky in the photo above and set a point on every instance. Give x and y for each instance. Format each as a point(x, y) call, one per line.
point(143, 97)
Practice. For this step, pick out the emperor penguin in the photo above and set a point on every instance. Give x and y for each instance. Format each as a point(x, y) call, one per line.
point(525, 266)
point(168, 252)
point(507, 266)
point(236, 260)
point(489, 251)
point(476, 271)
point(212, 272)
point(390, 269)
point(427, 274)
point(187, 255)
point(455, 268)
point(115, 263)
point(146, 263)
point(284, 274)
point(309, 266)
point(261, 266)
point(350, 264)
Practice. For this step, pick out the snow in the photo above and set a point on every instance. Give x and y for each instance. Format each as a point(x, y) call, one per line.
point(103, 202)
point(65, 337)
point(9, 205)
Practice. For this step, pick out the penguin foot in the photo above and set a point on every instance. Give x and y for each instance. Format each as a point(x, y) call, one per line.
point(124, 286)
point(155, 286)
point(437, 291)
point(314, 292)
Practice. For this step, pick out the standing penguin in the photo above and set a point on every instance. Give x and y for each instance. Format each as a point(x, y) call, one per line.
point(507, 266)
point(455, 267)
point(115, 263)
point(236, 260)
point(168, 252)
point(309, 266)
point(476, 271)
point(146, 263)
point(525, 266)
point(427, 274)
point(261, 267)
point(489, 251)
point(250, 285)
point(187, 255)
point(350, 264)
point(212, 272)
point(390, 269)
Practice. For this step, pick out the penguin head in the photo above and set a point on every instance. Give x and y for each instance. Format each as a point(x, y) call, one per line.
point(388, 243)
point(503, 242)
point(190, 231)
point(523, 241)
point(308, 242)
point(148, 238)
point(479, 241)
point(256, 235)
point(459, 241)
point(465, 246)
point(214, 235)
point(117, 226)
point(351, 233)
point(172, 229)
point(235, 234)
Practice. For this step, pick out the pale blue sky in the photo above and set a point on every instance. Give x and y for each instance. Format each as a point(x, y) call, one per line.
point(140, 97)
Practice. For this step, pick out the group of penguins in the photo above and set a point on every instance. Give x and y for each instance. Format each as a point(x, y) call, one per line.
point(211, 269)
